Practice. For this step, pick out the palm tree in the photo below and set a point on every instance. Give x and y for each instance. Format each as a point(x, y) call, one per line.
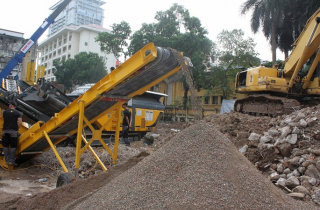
point(294, 19)
point(281, 21)
point(267, 14)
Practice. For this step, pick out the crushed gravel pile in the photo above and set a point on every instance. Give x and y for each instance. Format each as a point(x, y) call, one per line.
point(198, 169)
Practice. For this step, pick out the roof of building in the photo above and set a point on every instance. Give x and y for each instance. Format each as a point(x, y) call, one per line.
point(100, 2)
point(78, 29)
point(13, 34)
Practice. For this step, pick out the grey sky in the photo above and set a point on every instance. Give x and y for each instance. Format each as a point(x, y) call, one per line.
point(27, 15)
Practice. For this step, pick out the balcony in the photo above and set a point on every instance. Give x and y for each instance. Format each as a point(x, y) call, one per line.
point(7, 53)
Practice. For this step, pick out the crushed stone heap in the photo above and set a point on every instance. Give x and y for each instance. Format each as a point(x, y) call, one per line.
point(198, 169)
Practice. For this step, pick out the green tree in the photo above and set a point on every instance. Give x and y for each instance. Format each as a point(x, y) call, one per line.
point(115, 42)
point(175, 28)
point(84, 68)
point(235, 54)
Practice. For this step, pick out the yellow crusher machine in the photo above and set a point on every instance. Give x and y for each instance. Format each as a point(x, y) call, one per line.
point(273, 91)
point(143, 70)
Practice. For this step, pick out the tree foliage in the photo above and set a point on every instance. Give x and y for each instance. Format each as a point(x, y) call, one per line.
point(175, 28)
point(116, 42)
point(281, 21)
point(235, 54)
point(84, 68)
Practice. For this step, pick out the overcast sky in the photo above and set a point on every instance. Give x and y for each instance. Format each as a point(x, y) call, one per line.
point(27, 15)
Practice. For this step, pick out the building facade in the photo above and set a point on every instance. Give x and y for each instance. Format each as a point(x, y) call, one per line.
point(68, 42)
point(78, 12)
point(10, 44)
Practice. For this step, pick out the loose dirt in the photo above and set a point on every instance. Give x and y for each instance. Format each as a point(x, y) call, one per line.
point(190, 166)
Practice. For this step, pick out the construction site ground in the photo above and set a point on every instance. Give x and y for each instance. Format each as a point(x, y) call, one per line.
point(214, 163)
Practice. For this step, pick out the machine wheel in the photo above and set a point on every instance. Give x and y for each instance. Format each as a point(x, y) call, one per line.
point(63, 179)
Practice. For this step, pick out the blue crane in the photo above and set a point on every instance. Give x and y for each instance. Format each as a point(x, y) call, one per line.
point(17, 58)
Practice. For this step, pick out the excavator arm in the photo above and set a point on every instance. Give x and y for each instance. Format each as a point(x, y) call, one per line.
point(304, 47)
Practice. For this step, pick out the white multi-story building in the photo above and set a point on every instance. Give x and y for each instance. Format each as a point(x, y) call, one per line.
point(78, 12)
point(70, 41)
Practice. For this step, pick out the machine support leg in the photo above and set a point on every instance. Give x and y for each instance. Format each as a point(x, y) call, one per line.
point(117, 134)
point(79, 136)
point(55, 152)
point(95, 155)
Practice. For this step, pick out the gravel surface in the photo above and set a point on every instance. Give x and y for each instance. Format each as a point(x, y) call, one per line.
point(198, 169)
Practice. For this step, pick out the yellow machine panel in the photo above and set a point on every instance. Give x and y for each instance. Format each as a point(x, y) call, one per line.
point(286, 88)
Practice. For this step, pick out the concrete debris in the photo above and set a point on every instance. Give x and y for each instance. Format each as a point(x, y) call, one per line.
point(243, 149)
point(280, 168)
point(292, 182)
point(254, 137)
point(285, 149)
point(316, 197)
point(281, 181)
point(273, 132)
point(296, 130)
point(274, 176)
point(297, 195)
point(285, 131)
point(292, 139)
point(303, 123)
point(265, 139)
point(312, 171)
point(312, 181)
point(291, 142)
point(301, 189)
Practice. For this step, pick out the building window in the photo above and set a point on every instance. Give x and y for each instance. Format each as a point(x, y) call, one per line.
point(214, 99)
point(48, 71)
point(69, 56)
point(69, 47)
point(59, 43)
point(70, 37)
point(206, 99)
point(86, 44)
point(65, 40)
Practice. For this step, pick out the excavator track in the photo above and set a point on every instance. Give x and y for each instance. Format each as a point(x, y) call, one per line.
point(266, 105)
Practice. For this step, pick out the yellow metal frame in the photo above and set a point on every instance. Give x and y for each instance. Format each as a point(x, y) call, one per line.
point(127, 70)
point(55, 152)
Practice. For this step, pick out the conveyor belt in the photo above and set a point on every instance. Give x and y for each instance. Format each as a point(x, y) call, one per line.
point(164, 63)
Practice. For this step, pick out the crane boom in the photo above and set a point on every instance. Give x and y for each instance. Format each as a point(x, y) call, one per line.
point(17, 58)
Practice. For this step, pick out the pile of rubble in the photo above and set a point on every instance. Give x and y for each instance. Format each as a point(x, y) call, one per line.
point(288, 150)
point(88, 164)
